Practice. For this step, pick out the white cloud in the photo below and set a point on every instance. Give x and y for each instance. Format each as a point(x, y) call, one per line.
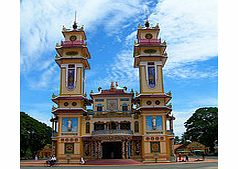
point(41, 23)
point(181, 118)
point(189, 27)
point(190, 30)
point(121, 71)
point(190, 72)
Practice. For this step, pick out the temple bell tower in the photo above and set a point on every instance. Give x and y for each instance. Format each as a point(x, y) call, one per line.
point(72, 58)
point(152, 102)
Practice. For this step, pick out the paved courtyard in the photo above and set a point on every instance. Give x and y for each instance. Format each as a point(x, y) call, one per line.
point(160, 166)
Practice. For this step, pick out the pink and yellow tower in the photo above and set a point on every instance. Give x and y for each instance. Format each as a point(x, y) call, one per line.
point(72, 57)
point(152, 101)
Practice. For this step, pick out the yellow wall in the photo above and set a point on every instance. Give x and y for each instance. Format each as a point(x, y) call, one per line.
point(104, 103)
point(158, 51)
point(79, 35)
point(153, 100)
point(153, 32)
point(80, 103)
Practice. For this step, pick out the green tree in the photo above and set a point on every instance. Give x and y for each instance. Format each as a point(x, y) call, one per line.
point(202, 127)
point(177, 140)
point(34, 135)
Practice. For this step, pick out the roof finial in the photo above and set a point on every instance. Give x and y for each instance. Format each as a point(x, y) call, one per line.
point(147, 24)
point(75, 24)
point(112, 85)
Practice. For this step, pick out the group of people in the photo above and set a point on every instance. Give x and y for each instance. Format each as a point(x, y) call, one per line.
point(182, 158)
point(51, 160)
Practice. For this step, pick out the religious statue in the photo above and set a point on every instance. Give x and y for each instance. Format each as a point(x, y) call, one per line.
point(154, 123)
point(69, 125)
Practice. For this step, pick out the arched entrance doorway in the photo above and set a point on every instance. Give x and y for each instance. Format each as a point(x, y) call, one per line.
point(112, 150)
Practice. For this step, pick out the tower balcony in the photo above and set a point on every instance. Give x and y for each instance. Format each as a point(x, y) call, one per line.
point(149, 41)
point(75, 43)
point(113, 132)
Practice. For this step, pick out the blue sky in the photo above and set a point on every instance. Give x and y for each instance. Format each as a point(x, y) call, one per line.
point(188, 26)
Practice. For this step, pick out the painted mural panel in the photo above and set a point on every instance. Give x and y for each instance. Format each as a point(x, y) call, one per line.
point(154, 122)
point(71, 75)
point(69, 148)
point(151, 75)
point(112, 104)
point(155, 147)
point(69, 124)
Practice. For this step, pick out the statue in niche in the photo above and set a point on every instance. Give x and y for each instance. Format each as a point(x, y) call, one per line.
point(154, 123)
point(69, 125)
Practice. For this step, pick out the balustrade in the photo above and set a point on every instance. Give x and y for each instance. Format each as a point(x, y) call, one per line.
point(72, 43)
point(149, 41)
point(98, 132)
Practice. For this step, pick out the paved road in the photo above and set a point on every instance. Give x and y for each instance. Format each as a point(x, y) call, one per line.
point(160, 166)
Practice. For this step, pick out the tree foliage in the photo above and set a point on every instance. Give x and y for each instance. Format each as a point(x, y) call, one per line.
point(177, 140)
point(202, 127)
point(34, 135)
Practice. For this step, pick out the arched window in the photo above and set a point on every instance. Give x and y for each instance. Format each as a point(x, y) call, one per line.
point(87, 127)
point(136, 126)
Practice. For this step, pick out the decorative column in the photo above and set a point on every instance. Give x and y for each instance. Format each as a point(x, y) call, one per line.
point(126, 151)
point(118, 126)
point(172, 124)
point(53, 124)
point(93, 149)
point(123, 149)
point(99, 149)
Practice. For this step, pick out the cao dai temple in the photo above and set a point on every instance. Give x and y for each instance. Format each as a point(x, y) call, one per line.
point(122, 125)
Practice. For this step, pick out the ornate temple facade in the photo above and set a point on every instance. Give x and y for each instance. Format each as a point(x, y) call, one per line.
point(121, 124)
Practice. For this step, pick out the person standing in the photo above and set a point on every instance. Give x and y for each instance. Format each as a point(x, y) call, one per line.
point(203, 156)
point(82, 160)
point(186, 158)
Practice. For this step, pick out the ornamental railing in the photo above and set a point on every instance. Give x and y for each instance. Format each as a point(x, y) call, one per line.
point(102, 132)
point(72, 43)
point(149, 41)
point(111, 114)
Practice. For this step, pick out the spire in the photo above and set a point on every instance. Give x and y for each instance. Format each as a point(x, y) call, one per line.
point(75, 24)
